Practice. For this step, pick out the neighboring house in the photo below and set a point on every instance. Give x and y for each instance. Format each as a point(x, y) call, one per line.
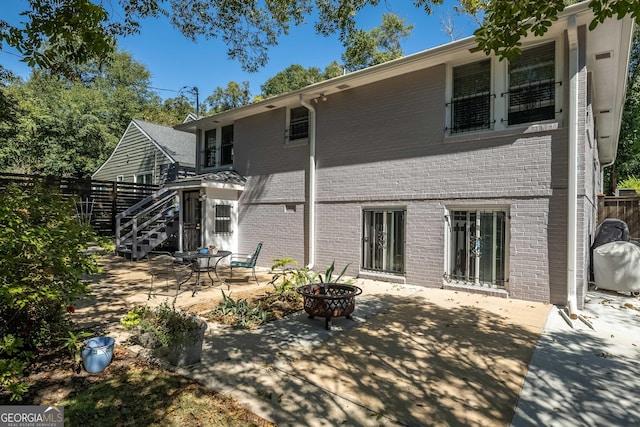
point(150, 154)
point(446, 168)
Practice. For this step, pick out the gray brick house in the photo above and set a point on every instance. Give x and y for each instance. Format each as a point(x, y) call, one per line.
point(446, 168)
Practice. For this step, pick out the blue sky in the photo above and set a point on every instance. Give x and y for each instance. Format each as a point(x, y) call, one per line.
point(175, 62)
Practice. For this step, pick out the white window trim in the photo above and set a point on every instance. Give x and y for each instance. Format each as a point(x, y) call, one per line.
point(499, 85)
point(120, 178)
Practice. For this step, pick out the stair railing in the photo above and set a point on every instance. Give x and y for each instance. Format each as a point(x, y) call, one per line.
point(133, 223)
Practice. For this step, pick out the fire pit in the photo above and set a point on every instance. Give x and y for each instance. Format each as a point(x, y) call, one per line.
point(329, 300)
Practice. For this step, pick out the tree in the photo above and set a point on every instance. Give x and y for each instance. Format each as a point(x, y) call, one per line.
point(379, 45)
point(62, 32)
point(69, 127)
point(627, 164)
point(235, 95)
point(296, 77)
point(506, 22)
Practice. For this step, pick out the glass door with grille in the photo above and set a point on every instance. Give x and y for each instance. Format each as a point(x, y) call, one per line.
point(383, 240)
point(477, 247)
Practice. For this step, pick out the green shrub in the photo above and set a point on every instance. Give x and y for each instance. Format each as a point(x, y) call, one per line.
point(630, 182)
point(42, 268)
point(165, 324)
point(240, 313)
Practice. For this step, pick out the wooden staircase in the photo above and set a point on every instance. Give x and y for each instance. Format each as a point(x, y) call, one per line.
point(150, 223)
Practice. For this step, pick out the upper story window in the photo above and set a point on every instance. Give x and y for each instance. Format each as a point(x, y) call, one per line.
point(210, 148)
point(298, 128)
point(471, 101)
point(226, 146)
point(217, 147)
point(532, 85)
point(494, 94)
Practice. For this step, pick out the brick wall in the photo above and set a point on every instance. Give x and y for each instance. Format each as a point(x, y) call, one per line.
point(383, 146)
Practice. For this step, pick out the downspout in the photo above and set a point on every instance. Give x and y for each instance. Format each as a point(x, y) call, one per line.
point(312, 181)
point(606, 165)
point(572, 223)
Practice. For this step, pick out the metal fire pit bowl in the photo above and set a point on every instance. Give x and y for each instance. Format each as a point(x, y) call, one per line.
point(329, 300)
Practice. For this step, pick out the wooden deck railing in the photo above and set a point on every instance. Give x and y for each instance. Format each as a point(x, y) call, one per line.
point(97, 201)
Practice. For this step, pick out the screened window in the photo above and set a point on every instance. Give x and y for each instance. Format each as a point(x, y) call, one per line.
point(532, 85)
point(210, 147)
point(477, 247)
point(298, 123)
point(223, 219)
point(383, 240)
point(471, 102)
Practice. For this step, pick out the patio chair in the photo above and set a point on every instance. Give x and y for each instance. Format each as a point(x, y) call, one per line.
point(246, 261)
point(164, 267)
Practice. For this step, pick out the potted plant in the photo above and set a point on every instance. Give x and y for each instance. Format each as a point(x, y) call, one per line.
point(172, 333)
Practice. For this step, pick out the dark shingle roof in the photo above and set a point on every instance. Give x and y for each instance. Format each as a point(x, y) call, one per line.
point(181, 146)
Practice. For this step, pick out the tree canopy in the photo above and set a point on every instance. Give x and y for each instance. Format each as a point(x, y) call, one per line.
point(379, 45)
point(59, 33)
point(68, 127)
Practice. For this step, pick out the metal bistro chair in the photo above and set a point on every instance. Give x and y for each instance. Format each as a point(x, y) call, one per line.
point(246, 261)
point(164, 267)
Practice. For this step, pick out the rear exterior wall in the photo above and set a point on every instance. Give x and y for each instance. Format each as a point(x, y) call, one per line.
point(384, 145)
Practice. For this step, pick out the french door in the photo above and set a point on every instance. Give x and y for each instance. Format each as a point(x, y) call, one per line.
point(477, 247)
point(383, 240)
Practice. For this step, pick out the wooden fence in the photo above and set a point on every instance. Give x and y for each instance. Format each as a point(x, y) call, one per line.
point(97, 202)
point(626, 208)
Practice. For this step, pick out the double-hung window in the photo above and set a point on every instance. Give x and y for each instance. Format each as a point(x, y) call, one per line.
point(532, 85)
point(471, 101)
point(298, 124)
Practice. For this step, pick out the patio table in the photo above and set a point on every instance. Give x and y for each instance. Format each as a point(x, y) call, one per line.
point(194, 257)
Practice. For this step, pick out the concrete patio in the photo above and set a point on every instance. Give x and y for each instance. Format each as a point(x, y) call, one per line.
point(411, 357)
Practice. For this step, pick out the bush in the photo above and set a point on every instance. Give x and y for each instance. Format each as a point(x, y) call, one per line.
point(630, 182)
point(165, 325)
point(42, 268)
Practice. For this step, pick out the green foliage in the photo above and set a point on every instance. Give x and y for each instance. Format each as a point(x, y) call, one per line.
point(134, 316)
point(240, 313)
point(295, 77)
point(41, 274)
point(60, 34)
point(379, 45)
point(627, 162)
point(630, 182)
point(328, 275)
point(166, 324)
point(288, 277)
point(235, 95)
point(507, 22)
point(12, 365)
point(74, 344)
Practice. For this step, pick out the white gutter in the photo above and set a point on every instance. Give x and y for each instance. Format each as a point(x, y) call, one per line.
point(572, 221)
point(312, 180)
